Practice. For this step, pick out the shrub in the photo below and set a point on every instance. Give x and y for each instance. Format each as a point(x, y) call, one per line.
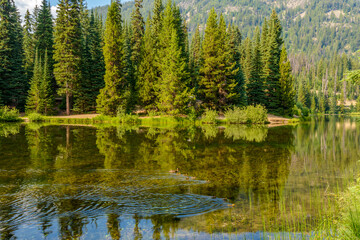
point(151, 113)
point(209, 116)
point(236, 115)
point(9, 114)
point(36, 117)
point(256, 114)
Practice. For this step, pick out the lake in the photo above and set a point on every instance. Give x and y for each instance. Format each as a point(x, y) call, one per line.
point(177, 182)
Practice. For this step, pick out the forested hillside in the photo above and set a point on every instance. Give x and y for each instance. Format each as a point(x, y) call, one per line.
point(313, 27)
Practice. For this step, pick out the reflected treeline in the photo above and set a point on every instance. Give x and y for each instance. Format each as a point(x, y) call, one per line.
point(68, 176)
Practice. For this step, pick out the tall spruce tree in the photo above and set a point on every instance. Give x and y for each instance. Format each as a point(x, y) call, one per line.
point(113, 95)
point(235, 46)
point(44, 31)
point(29, 44)
point(33, 103)
point(13, 83)
point(217, 86)
point(148, 70)
point(271, 64)
point(255, 86)
point(138, 30)
point(286, 84)
point(67, 54)
point(47, 99)
point(171, 86)
point(195, 60)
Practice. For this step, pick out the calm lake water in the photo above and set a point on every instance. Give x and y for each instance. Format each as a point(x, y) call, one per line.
point(235, 182)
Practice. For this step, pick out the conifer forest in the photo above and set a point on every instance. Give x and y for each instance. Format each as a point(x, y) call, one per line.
point(78, 63)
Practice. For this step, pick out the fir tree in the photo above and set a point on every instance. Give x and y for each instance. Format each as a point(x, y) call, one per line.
point(247, 58)
point(171, 87)
point(195, 60)
point(130, 69)
point(235, 46)
point(13, 83)
point(286, 84)
point(113, 95)
point(67, 54)
point(255, 86)
point(44, 31)
point(33, 103)
point(218, 73)
point(29, 45)
point(137, 25)
point(46, 93)
point(148, 70)
point(271, 64)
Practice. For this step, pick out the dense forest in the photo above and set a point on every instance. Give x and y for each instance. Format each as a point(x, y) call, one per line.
point(81, 62)
point(141, 65)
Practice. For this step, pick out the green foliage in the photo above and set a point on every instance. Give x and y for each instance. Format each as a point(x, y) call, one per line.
point(256, 114)
point(67, 45)
point(116, 90)
point(13, 82)
point(236, 115)
point(9, 114)
point(209, 116)
point(36, 117)
point(349, 223)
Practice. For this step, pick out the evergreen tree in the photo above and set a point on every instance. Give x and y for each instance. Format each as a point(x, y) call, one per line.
point(33, 103)
point(286, 84)
point(195, 60)
point(130, 69)
point(29, 45)
point(68, 46)
point(255, 86)
point(235, 46)
point(148, 70)
point(271, 64)
point(137, 25)
point(113, 95)
point(44, 32)
point(171, 87)
point(218, 81)
point(47, 99)
point(13, 83)
point(301, 98)
point(247, 58)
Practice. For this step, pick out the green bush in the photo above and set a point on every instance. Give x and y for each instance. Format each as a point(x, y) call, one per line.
point(36, 117)
point(9, 114)
point(209, 116)
point(250, 114)
point(236, 115)
point(256, 114)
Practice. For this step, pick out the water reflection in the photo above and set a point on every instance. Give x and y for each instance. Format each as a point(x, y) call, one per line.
point(113, 181)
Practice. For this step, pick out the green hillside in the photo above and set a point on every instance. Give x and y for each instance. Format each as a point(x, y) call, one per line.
point(316, 27)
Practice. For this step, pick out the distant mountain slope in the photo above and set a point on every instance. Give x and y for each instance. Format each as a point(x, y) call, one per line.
point(315, 27)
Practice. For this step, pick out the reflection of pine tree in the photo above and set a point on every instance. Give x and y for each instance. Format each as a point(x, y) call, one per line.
point(113, 226)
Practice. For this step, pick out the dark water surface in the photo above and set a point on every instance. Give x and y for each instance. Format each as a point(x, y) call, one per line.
point(235, 182)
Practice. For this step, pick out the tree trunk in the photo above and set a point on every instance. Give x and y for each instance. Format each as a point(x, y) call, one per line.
point(67, 103)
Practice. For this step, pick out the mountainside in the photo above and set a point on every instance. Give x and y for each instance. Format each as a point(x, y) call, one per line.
point(313, 27)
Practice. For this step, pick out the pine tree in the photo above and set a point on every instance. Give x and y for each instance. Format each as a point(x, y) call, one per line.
point(255, 86)
point(137, 25)
point(29, 44)
point(286, 84)
point(235, 46)
point(171, 87)
point(82, 95)
point(13, 83)
point(33, 103)
point(113, 95)
point(44, 31)
point(218, 73)
point(148, 70)
point(247, 58)
point(130, 69)
point(47, 99)
point(67, 54)
point(271, 64)
point(195, 60)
